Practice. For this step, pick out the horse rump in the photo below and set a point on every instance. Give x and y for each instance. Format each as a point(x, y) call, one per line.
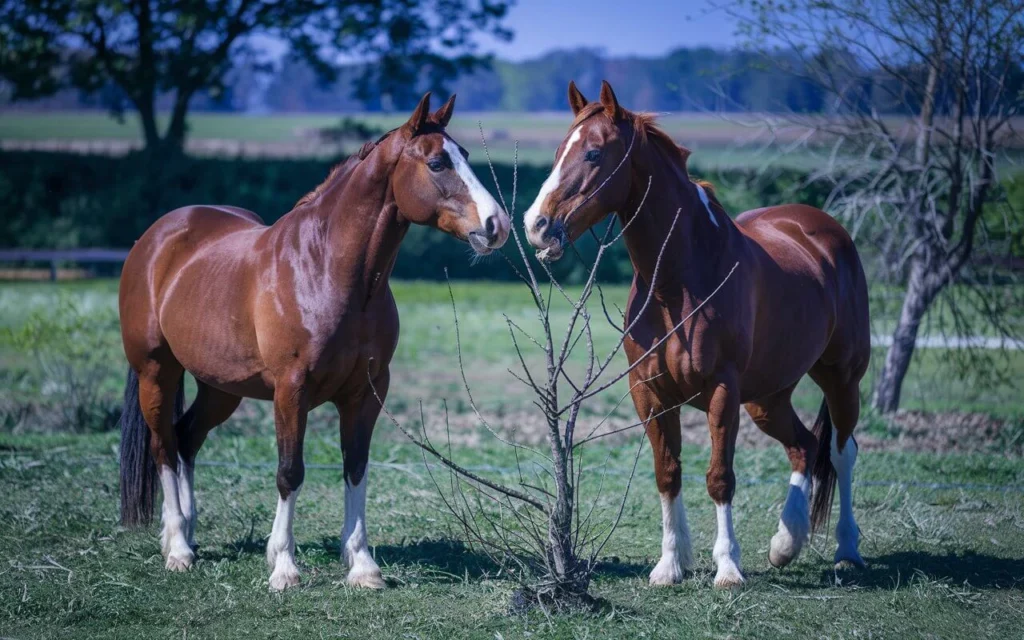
point(138, 469)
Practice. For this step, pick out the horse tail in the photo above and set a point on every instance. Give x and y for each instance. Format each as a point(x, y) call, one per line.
point(824, 473)
point(138, 469)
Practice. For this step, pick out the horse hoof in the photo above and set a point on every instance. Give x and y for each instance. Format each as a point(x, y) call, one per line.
point(666, 574)
point(850, 563)
point(729, 580)
point(179, 561)
point(779, 558)
point(284, 579)
point(365, 579)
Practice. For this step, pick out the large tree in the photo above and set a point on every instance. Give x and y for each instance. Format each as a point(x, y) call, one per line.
point(153, 52)
point(922, 98)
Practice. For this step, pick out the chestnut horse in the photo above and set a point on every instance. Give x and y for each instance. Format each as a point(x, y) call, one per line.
point(299, 312)
point(796, 303)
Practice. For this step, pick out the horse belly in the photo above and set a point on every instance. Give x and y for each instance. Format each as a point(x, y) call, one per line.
point(206, 319)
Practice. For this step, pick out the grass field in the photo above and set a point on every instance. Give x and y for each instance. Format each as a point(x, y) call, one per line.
point(943, 533)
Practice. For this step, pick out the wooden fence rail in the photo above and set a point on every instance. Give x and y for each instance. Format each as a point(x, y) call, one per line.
point(56, 256)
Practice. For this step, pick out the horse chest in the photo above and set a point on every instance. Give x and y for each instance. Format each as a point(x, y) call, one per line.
point(682, 363)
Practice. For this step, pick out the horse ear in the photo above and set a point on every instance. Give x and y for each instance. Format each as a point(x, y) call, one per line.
point(576, 99)
point(610, 102)
point(420, 115)
point(444, 114)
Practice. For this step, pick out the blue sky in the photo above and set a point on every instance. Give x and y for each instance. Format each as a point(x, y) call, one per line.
point(619, 27)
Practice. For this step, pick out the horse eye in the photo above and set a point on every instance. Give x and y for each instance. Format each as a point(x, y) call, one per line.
point(593, 155)
point(436, 164)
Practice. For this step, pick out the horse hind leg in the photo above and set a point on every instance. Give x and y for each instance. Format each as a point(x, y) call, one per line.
point(776, 418)
point(841, 411)
point(159, 383)
point(210, 409)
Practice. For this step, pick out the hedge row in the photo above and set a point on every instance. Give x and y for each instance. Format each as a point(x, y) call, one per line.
point(63, 200)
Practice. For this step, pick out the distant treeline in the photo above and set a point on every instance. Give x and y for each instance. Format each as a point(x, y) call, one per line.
point(683, 80)
point(63, 200)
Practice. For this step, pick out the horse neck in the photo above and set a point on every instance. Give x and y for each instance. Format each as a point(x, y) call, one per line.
point(356, 230)
point(696, 248)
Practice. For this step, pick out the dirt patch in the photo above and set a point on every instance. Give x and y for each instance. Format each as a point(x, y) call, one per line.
point(951, 432)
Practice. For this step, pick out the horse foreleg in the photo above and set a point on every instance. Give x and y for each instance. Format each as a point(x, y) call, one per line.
point(358, 417)
point(663, 432)
point(290, 408)
point(723, 423)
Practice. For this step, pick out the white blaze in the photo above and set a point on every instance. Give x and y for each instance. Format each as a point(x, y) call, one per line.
point(486, 206)
point(551, 183)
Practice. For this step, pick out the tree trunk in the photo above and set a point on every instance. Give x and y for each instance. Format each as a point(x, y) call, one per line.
point(147, 116)
point(174, 140)
point(921, 291)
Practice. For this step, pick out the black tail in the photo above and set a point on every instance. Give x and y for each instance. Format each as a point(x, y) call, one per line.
point(824, 473)
point(138, 471)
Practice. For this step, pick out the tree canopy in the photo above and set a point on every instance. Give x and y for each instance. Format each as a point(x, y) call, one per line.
point(141, 53)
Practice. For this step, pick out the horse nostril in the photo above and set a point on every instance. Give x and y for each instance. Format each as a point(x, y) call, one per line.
point(490, 227)
point(541, 223)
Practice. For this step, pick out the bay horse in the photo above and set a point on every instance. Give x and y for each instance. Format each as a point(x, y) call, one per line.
point(299, 312)
point(796, 303)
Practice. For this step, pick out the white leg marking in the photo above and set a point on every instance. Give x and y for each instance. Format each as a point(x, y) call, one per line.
point(187, 499)
point(281, 545)
point(707, 203)
point(676, 555)
point(727, 551)
point(552, 182)
point(847, 532)
point(486, 206)
point(173, 540)
point(362, 570)
point(795, 523)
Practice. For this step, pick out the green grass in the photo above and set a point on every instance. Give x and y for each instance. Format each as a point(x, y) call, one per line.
point(425, 365)
point(942, 563)
point(945, 560)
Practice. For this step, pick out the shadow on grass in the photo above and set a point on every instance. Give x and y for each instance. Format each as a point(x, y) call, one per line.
point(448, 558)
point(451, 560)
point(898, 570)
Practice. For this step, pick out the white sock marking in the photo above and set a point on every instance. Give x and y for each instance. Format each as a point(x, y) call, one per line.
point(795, 522)
point(187, 499)
point(486, 206)
point(550, 184)
point(281, 544)
point(676, 554)
point(707, 203)
point(363, 571)
point(727, 550)
point(847, 532)
point(173, 540)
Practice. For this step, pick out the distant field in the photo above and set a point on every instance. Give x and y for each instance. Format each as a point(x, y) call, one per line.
point(717, 141)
